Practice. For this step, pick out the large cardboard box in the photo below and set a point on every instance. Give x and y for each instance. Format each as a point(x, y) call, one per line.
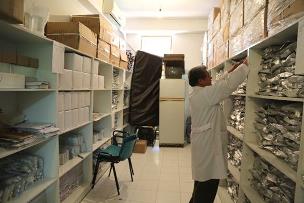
point(123, 63)
point(211, 18)
point(103, 51)
point(12, 10)
point(236, 44)
point(97, 23)
point(252, 8)
point(236, 19)
point(217, 24)
point(233, 5)
point(281, 13)
point(256, 30)
point(225, 11)
point(221, 54)
point(75, 35)
point(115, 55)
point(140, 146)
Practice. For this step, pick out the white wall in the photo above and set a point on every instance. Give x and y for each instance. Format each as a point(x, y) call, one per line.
point(67, 7)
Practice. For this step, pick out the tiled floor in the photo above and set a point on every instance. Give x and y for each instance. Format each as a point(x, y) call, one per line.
point(162, 175)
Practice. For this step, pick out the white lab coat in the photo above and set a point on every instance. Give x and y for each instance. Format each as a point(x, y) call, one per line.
point(208, 131)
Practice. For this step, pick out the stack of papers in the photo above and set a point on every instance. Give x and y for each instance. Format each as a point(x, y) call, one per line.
point(37, 85)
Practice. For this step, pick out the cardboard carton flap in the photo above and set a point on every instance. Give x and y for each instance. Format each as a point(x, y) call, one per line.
point(123, 56)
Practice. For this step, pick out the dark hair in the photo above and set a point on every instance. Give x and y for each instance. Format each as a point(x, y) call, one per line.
point(196, 73)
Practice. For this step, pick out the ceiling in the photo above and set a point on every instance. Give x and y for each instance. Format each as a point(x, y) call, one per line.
point(169, 8)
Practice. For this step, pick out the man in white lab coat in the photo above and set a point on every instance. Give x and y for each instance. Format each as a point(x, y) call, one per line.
point(208, 130)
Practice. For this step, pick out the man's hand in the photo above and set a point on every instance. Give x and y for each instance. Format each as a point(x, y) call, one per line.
point(245, 61)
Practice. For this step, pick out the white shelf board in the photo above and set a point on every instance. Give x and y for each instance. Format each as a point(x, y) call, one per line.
point(235, 132)
point(276, 162)
point(237, 94)
point(79, 126)
point(35, 190)
point(235, 172)
point(117, 110)
point(118, 89)
point(6, 152)
point(27, 90)
point(223, 195)
point(277, 98)
point(78, 194)
point(102, 116)
point(125, 107)
point(252, 194)
point(98, 144)
point(63, 169)
point(71, 90)
point(19, 33)
point(71, 49)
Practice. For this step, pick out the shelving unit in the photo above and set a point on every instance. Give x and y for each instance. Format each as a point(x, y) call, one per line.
point(48, 106)
point(250, 138)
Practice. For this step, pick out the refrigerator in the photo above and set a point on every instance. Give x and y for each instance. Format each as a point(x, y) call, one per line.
point(172, 112)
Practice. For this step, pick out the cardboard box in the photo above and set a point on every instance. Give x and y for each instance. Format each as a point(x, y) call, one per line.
point(282, 13)
point(140, 146)
point(115, 40)
point(60, 120)
point(95, 82)
point(87, 65)
point(103, 51)
point(86, 81)
point(211, 18)
point(75, 35)
point(236, 20)
point(12, 11)
point(68, 120)
point(225, 11)
point(77, 80)
point(10, 58)
point(115, 56)
point(122, 45)
point(107, 36)
point(236, 44)
point(66, 80)
point(95, 67)
point(67, 101)
point(100, 82)
point(255, 31)
point(74, 100)
point(97, 23)
point(123, 63)
point(234, 5)
point(11, 80)
point(60, 100)
point(252, 8)
point(221, 54)
point(27, 61)
point(75, 119)
point(217, 24)
point(73, 61)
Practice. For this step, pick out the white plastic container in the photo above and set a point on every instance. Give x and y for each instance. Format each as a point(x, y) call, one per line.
point(9, 80)
point(95, 82)
point(86, 81)
point(77, 80)
point(95, 67)
point(60, 120)
point(100, 82)
point(87, 65)
point(73, 61)
point(75, 100)
point(66, 80)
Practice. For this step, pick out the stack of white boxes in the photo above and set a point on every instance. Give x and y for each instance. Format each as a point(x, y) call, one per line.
point(73, 109)
point(98, 80)
point(77, 72)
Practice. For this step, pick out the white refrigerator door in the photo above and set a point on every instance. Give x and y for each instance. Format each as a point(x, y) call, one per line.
point(172, 88)
point(171, 122)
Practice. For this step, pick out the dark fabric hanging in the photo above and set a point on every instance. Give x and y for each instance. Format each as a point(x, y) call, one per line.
point(144, 95)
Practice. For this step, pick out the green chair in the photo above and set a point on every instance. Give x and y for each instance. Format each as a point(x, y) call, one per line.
point(115, 153)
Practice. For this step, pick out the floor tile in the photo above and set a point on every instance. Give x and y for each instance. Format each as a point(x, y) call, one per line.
point(169, 186)
point(167, 197)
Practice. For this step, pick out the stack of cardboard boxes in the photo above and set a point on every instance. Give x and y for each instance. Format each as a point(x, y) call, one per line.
point(238, 24)
point(91, 34)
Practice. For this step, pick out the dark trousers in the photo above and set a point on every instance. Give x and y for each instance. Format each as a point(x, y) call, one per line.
point(204, 192)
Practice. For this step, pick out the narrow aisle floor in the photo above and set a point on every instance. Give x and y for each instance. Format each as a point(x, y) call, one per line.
point(162, 175)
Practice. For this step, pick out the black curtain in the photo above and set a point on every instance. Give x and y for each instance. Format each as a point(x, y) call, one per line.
point(144, 95)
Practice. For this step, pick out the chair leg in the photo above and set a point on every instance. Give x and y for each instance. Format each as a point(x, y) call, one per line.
point(130, 165)
point(116, 181)
point(95, 173)
point(130, 168)
point(110, 171)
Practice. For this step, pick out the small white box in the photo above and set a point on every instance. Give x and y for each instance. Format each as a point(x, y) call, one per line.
point(95, 82)
point(10, 80)
point(67, 101)
point(100, 82)
point(77, 80)
point(68, 120)
point(87, 65)
point(95, 67)
point(60, 101)
point(81, 99)
point(66, 80)
point(87, 99)
point(73, 61)
point(81, 117)
point(75, 119)
point(86, 81)
point(60, 120)
point(86, 114)
point(75, 100)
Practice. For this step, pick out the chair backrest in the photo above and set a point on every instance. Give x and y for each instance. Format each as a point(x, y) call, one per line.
point(127, 147)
